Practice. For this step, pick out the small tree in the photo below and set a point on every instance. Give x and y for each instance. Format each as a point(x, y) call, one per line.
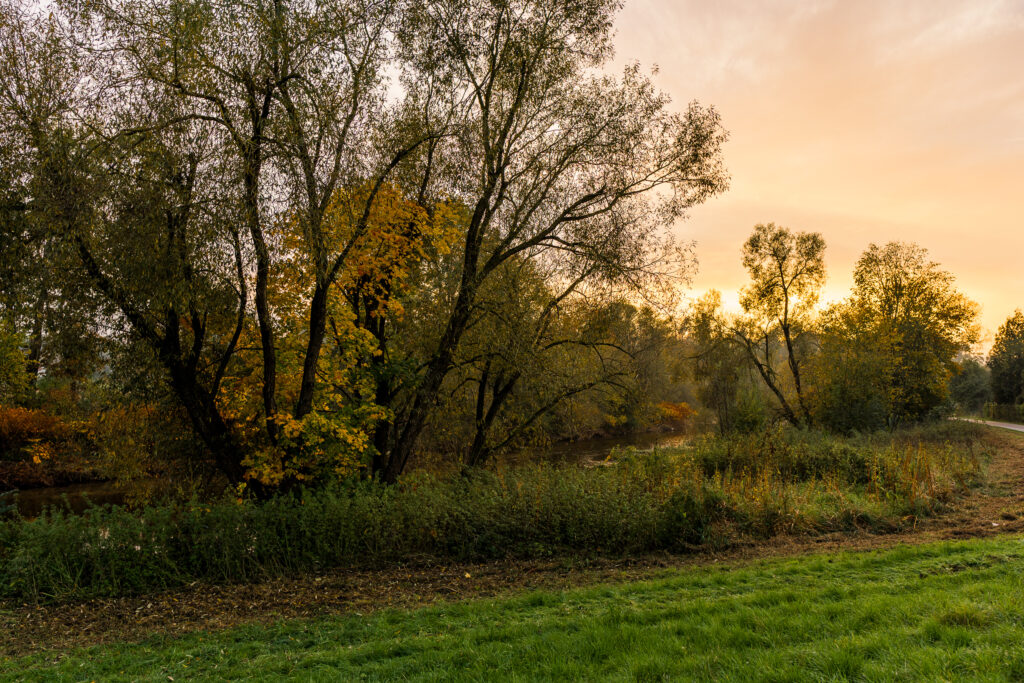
point(849, 372)
point(787, 272)
point(970, 386)
point(717, 359)
point(1006, 361)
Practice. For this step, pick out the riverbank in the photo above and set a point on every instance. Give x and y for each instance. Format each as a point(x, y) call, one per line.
point(996, 507)
point(31, 487)
point(717, 492)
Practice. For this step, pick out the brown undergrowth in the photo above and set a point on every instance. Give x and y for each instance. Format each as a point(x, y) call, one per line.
point(996, 507)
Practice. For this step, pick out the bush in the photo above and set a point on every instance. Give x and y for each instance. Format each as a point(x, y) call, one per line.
point(782, 481)
point(20, 428)
point(750, 414)
point(38, 448)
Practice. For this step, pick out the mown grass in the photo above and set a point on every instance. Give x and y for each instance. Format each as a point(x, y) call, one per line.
point(947, 611)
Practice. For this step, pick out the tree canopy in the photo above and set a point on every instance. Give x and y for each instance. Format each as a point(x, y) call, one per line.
point(907, 324)
point(298, 223)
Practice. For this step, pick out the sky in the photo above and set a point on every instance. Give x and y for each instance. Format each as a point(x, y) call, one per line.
point(864, 120)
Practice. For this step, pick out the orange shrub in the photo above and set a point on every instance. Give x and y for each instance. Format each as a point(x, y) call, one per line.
point(675, 413)
point(23, 427)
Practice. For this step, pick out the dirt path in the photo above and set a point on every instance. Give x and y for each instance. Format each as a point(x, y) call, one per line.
point(997, 507)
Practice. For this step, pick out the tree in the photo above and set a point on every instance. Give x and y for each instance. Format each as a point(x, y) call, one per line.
point(294, 96)
point(527, 350)
point(718, 360)
point(557, 161)
point(565, 368)
point(1006, 361)
point(131, 204)
point(44, 300)
point(332, 440)
point(904, 326)
point(970, 386)
point(848, 374)
point(787, 272)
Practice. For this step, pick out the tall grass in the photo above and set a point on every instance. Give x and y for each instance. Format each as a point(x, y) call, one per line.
point(718, 490)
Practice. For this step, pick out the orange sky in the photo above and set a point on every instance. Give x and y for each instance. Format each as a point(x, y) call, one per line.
point(865, 120)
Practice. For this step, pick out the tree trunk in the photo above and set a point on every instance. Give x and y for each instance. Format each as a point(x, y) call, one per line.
point(263, 316)
point(317, 328)
point(794, 368)
point(208, 423)
point(441, 363)
point(35, 345)
point(764, 369)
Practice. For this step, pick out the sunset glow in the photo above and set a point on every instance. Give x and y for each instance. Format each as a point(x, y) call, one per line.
point(865, 121)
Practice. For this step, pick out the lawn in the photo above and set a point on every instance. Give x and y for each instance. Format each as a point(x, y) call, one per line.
point(931, 612)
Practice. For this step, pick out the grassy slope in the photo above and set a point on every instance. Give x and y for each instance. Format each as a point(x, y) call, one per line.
point(941, 611)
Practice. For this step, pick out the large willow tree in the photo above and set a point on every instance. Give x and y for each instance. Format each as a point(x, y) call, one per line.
point(558, 161)
point(253, 189)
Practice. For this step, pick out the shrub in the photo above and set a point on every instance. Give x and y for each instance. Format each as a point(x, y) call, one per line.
point(782, 481)
point(20, 428)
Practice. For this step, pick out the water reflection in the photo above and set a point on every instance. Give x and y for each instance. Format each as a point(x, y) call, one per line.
point(589, 450)
point(76, 498)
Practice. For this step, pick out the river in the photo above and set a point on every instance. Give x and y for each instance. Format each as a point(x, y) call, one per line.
point(78, 497)
point(73, 497)
point(597, 448)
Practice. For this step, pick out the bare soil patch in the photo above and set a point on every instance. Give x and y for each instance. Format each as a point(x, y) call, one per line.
point(996, 507)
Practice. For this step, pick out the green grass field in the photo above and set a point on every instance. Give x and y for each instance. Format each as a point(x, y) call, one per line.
point(950, 611)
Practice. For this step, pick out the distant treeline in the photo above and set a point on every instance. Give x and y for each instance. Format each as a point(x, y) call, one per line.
point(883, 357)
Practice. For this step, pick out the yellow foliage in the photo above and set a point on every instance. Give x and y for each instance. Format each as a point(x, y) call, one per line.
point(676, 412)
point(21, 426)
point(380, 254)
point(313, 447)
